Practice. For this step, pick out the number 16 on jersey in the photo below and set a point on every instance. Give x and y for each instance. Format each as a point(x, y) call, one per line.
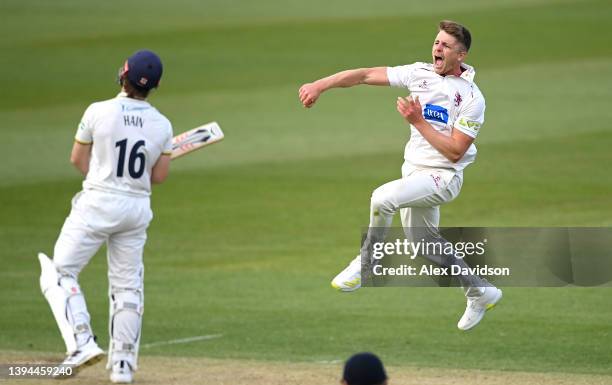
point(195, 139)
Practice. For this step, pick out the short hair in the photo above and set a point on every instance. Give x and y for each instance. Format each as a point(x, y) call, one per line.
point(458, 31)
point(133, 89)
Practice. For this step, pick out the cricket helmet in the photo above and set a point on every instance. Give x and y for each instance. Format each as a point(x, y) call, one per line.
point(143, 70)
point(364, 369)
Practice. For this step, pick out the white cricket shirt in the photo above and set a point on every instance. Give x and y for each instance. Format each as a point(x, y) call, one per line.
point(127, 136)
point(448, 101)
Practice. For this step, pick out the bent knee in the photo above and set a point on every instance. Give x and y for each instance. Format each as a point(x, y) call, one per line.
point(381, 202)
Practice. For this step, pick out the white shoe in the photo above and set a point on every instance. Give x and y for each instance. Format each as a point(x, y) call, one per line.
point(121, 373)
point(476, 307)
point(84, 356)
point(349, 279)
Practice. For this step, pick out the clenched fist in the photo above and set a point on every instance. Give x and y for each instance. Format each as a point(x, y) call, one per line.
point(309, 93)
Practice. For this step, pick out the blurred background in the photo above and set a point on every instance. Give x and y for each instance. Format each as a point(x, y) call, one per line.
point(248, 233)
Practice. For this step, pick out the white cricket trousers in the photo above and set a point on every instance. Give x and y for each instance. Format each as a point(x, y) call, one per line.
point(418, 196)
point(99, 217)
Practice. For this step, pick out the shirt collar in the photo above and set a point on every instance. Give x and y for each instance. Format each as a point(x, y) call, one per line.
point(124, 95)
point(468, 73)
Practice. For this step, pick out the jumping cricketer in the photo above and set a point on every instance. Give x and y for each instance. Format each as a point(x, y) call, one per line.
point(445, 110)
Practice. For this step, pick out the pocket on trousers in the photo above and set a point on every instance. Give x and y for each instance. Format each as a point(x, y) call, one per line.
point(448, 183)
point(441, 178)
point(454, 186)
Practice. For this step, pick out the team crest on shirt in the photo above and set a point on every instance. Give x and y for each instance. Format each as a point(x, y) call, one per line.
point(424, 85)
point(458, 99)
point(436, 179)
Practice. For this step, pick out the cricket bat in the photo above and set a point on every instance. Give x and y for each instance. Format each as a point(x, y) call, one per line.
point(195, 139)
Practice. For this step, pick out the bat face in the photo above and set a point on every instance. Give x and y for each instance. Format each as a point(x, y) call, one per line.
point(195, 139)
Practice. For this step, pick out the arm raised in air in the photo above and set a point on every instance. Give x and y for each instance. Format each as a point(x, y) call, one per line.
point(375, 76)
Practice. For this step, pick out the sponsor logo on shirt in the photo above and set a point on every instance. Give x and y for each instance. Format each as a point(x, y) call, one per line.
point(435, 113)
point(424, 85)
point(125, 108)
point(469, 124)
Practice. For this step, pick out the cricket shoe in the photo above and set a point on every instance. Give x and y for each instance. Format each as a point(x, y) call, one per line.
point(477, 307)
point(349, 279)
point(121, 373)
point(86, 355)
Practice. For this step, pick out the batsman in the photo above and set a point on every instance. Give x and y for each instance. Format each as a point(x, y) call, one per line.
point(122, 146)
point(445, 110)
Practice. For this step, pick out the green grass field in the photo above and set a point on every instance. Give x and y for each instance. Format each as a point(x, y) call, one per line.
point(248, 233)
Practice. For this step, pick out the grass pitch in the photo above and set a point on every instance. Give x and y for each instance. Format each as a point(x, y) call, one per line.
point(248, 233)
point(205, 371)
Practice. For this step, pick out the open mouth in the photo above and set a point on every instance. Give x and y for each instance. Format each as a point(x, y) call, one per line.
point(438, 61)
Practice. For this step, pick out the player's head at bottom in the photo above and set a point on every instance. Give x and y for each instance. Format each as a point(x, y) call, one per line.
point(140, 73)
point(364, 369)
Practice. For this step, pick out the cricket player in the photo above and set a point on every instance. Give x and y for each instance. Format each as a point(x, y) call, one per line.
point(445, 110)
point(122, 146)
point(364, 369)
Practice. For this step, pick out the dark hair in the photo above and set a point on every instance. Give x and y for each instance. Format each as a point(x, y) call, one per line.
point(133, 90)
point(364, 369)
point(459, 32)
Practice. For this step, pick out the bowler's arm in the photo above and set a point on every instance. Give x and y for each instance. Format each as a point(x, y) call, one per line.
point(453, 147)
point(374, 76)
point(80, 155)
